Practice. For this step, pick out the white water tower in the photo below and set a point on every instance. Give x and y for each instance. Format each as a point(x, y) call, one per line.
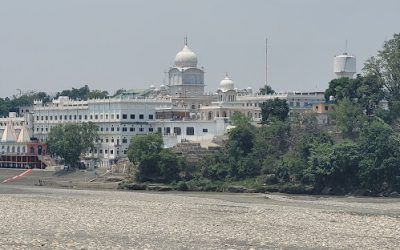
point(344, 65)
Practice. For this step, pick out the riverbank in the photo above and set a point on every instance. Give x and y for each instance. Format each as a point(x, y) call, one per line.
point(47, 218)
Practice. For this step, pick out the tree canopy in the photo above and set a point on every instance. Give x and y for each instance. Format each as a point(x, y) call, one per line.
point(385, 67)
point(274, 108)
point(69, 141)
point(152, 160)
point(266, 90)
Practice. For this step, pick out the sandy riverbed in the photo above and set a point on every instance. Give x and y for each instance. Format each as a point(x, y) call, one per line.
point(45, 218)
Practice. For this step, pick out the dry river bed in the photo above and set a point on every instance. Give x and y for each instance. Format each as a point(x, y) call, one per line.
point(45, 218)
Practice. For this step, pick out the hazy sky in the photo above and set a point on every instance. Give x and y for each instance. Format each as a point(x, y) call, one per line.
point(51, 45)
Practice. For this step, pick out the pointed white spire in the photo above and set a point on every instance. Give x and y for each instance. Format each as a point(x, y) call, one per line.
point(9, 133)
point(24, 135)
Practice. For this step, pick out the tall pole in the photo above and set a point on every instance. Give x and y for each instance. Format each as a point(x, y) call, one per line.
point(266, 61)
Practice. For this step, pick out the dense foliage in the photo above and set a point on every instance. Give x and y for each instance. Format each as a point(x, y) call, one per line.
point(304, 157)
point(274, 109)
point(69, 141)
point(152, 160)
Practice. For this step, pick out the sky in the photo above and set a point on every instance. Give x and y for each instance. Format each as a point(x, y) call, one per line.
point(51, 45)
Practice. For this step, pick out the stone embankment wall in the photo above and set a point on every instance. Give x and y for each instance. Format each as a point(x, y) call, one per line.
point(193, 152)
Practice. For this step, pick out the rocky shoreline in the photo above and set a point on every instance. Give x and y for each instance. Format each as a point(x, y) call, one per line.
point(48, 218)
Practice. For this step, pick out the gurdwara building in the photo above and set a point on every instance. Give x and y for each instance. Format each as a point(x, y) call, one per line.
point(179, 110)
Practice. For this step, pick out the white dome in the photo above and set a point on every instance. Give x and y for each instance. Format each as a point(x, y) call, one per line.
point(186, 58)
point(226, 84)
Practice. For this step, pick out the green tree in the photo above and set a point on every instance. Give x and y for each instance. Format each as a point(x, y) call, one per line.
point(365, 91)
point(274, 108)
point(348, 117)
point(342, 88)
point(380, 147)
point(386, 67)
point(69, 141)
point(333, 165)
point(97, 94)
point(267, 90)
point(147, 153)
point(369, 93)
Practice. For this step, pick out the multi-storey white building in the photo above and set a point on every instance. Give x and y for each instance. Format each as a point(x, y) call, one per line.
point(180, 110)
point(117, 119)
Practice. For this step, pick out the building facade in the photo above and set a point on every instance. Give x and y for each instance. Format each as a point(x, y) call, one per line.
point(179, 111)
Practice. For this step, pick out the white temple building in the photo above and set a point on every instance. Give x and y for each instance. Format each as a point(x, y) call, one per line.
point(179, 110)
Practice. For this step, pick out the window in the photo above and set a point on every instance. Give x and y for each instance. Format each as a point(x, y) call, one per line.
point(141, 129)
point(96, 117)
point(51, 118)
point(151, 117)
point(70, 117)
point(105, 151)
point(132, 116)
point(41, 118)
point(46, 118)
point(55, 118)
point(85, 117)
point(91, 117)
point(117, 116)
point(112, 116)
point(106, 116)
point(124, 140)
point(124, 116)
point(141, 116)
point(112, 128)
point(101, 129)
point(205, 130)
point(131, 129)
point(101, 151)
point(150, 129)
point(189, 131)
point(74, 117)
point(111, 152)
point(124, 129)
point(80, 117)
point(177, 130)
point(117, 128)
point(326, 108)
point(37, 118)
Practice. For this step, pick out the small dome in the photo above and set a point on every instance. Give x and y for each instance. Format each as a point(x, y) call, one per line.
point(186, 58)
point(226, 84)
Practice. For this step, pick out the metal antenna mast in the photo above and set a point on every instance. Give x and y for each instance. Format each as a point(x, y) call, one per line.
point(266, 61)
